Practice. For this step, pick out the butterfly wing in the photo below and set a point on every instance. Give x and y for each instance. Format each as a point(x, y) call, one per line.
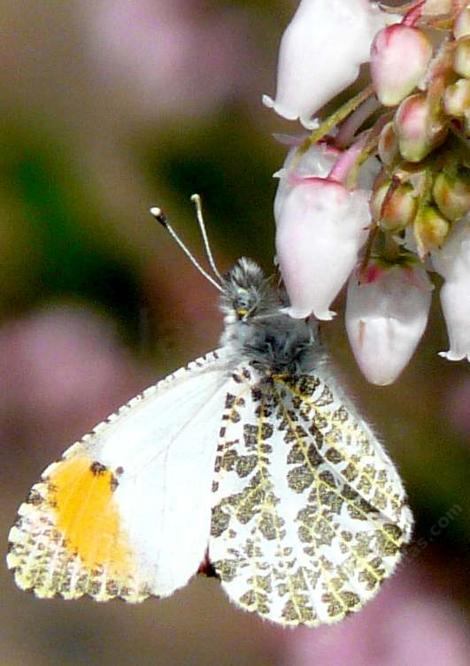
point(126, 511)
point(309, 513)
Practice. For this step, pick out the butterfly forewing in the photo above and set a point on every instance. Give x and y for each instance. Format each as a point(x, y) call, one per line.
point(309, 514)
point(126, 512)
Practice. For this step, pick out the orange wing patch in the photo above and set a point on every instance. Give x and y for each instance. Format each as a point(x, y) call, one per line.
point(68, 539)
point(81, 494)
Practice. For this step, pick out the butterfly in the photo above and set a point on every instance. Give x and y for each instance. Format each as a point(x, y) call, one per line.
point(249, 464)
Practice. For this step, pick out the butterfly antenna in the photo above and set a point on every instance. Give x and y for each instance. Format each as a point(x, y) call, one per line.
point(160, 216)
point(196, 199)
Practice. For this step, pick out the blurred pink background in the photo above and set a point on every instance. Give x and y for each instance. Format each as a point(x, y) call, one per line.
point(109, 107)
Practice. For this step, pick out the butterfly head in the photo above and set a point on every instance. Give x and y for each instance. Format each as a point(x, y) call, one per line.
point(258, 329)
point(247, 293)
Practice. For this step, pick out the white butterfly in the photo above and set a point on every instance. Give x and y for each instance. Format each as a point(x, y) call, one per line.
point(249, 463)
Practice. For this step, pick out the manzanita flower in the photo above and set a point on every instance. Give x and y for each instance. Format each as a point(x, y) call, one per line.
point(398, 178)
point(453, 263)
point(320, 53)
point(386, 314)
point(318, 160)
point(321, 228)
point(400, 55)
point(455, 302)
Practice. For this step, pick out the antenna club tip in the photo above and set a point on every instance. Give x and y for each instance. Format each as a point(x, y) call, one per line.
point(159, 215)
point(195, 198)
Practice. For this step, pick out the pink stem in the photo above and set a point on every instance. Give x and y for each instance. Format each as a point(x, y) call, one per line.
point(347, 161)
point(352, 124)
point(413, 16)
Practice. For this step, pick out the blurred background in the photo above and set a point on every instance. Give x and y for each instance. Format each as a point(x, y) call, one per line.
point(109, 107)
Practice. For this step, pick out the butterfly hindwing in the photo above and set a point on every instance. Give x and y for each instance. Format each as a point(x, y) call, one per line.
point(126, 511)
point(309, 514)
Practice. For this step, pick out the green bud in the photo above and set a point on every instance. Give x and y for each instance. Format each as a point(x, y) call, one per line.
point(462, 23)
point(399, 208)
point(418, 131)
point(452, 194)
point(457, 98)
point(388, 144)
point(462, 57)
point(430, 230)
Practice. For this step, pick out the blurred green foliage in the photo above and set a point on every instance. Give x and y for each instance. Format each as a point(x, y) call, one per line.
point(63, 258)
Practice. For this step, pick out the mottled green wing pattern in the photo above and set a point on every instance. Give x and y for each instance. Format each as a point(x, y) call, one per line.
point(309, 514)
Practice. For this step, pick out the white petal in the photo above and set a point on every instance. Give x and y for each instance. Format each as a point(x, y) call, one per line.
point(453, 258)
point(455, 301)
point(453, 263)
point(320, 53)
point(321, 228)
point(316, 161)
point(385, 320)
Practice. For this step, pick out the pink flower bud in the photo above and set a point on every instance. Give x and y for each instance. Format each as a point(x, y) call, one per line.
point(320, 53)
point(453, 263)
point(388, 144)
point(394, 206)
point(417, 131)
point(320, 230)
point(452, 194)
point(378, 196)
point(399, 59)
point(462, 57)
point(386, 316)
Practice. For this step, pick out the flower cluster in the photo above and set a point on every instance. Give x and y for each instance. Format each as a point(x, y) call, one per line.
point(378, 193)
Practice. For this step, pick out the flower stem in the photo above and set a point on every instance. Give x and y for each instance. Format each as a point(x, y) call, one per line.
point(335, 118)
